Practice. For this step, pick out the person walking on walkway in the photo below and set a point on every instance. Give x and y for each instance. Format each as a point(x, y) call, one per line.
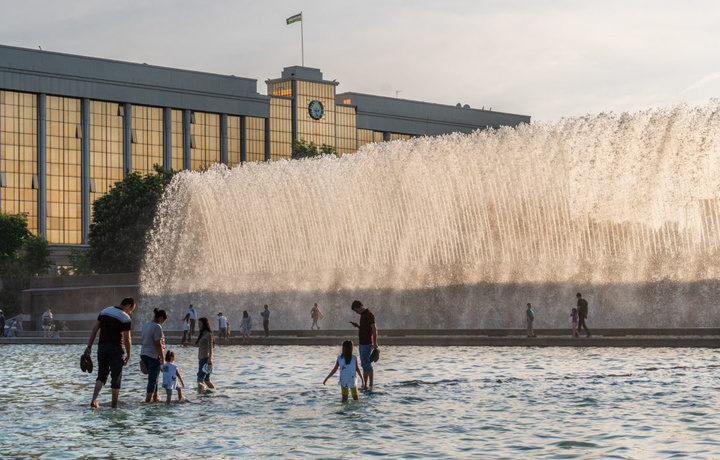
point(367, 340)
point(582, 308)
point(316, 316)
point(114, 325)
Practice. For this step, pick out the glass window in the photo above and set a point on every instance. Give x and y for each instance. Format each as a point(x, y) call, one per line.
point(106, 147)
point(346, 130)
point(206, 134)
point(18, 155)
point(280, 128)
point(234, 141)
point(255, 139)
point(282, 88)
point(64, 214)
point(147, 145)
point(177, 139)
point(368, 136)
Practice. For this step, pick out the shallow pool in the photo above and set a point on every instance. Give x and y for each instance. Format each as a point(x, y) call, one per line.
point(455, 402)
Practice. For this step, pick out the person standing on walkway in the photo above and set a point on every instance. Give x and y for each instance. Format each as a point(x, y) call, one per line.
point(367, 340)
point(2, 324)
point(266, 320)
point(47, 319)
point(191, 315)
point(582, 308)
point(246, 327)
point(223, 329)
point(530, 318)
point(152, 353)
point(114, 325)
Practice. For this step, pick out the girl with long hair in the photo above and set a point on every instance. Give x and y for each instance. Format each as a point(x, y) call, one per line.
point(349, 367)
point(205, 344)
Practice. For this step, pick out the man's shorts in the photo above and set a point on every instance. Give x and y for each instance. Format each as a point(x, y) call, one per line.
point(110, 361)
point(365, 351)
point(223, 332)
point(353, 391)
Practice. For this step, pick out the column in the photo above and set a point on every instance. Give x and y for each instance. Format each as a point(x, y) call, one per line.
point(224, 139)
point(127, 139)
point(85, 203)
point(167, 138)
point(42, 163)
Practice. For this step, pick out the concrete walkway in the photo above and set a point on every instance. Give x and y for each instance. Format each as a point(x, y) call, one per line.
point(665, 337)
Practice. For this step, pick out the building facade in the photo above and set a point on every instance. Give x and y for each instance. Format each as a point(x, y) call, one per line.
point(71, 126)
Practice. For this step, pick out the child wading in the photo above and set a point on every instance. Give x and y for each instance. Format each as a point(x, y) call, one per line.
point(171, 377)
point(349, 368)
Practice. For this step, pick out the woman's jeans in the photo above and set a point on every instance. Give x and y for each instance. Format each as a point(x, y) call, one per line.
point(153, 367)
point(202, 377)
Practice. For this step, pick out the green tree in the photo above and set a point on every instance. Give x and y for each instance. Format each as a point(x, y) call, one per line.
point(24, 255)
point(36, 255)
point(13, 232)
point(121, 220)
point(300, 149)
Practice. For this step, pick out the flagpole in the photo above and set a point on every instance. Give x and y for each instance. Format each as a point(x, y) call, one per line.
point(302, 40)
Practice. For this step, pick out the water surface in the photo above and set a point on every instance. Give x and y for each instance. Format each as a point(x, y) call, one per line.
point(459, 402)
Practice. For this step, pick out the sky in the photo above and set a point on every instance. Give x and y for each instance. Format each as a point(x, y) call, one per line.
point(550, 59)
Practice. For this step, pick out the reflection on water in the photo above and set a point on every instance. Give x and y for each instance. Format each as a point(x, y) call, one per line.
point(429, 402)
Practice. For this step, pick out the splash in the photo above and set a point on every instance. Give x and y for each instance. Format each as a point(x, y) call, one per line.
point(461, 230)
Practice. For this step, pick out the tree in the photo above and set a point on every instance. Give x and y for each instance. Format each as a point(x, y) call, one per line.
point(23, 256)
point(121, 220)
point(300, 149)
point(13, 232)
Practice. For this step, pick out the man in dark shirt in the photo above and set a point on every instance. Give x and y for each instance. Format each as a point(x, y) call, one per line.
point(582, 307)
point(367, 340)
point(114, 324)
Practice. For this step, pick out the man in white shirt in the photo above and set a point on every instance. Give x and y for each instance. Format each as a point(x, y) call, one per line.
point(223, 328)
point(191, 315)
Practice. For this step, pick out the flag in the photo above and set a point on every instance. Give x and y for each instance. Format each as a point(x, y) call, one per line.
point(296, 18)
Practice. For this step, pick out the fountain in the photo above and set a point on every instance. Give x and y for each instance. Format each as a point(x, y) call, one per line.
point(459, 230)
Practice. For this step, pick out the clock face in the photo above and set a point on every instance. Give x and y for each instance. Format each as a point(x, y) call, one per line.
point(316, 109)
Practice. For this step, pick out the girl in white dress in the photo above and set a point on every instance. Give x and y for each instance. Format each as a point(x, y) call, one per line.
point(171, 377)
point(349, 367)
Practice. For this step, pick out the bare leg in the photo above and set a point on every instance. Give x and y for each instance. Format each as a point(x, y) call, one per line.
point(96, 392)
point(179, 394)
point(210, 384)
point(169, 398)
point(115, 397)
point(371, 374)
